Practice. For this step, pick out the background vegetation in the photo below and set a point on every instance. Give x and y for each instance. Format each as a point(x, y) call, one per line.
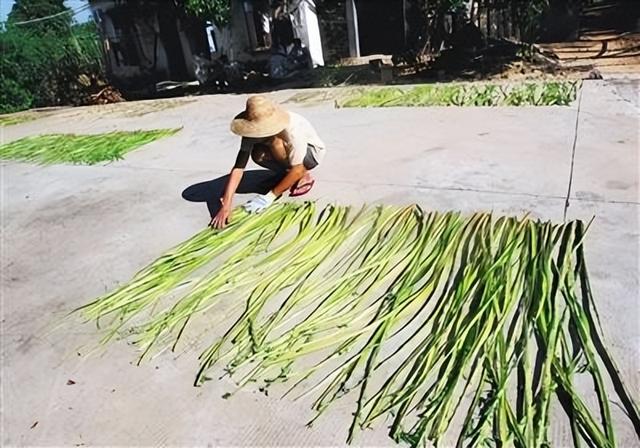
point(217, 11)
point(46, 59)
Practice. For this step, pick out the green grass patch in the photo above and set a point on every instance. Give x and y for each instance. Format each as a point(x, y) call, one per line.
point(11, 119)
point(399, 311)
point(79, 149)
point(553, 93)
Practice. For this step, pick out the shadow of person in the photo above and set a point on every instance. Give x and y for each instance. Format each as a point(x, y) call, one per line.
point(253, 181)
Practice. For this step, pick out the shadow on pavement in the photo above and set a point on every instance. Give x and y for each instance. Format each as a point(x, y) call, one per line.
point(253, 181)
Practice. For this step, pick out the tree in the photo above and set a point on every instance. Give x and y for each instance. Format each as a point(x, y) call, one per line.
point(41, 61)
point(216, 11)
point(58, 16)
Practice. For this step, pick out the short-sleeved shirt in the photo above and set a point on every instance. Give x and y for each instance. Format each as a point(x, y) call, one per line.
point(298, 136)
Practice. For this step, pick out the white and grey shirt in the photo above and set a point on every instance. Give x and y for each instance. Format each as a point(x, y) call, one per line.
point(302, 142)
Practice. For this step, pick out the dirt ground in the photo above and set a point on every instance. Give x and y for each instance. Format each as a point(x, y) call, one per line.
point(610, 53)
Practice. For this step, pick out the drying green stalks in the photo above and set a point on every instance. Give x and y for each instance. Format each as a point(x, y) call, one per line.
point(417, 318)
point(552, 93)
point(17, 118)
point(79, 149)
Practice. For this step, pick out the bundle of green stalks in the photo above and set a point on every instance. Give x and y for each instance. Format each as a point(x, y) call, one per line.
point(419, 318)
point(79, 149)
point(553, 93)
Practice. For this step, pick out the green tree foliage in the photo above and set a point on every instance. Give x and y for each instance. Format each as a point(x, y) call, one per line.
point(216, 11)
point(34, 10)
point(13, 96)
point(48, 60)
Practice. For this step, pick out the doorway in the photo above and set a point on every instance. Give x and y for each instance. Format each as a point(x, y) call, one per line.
point(380, 26)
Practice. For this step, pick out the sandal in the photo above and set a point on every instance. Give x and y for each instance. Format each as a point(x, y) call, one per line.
point(302, 189)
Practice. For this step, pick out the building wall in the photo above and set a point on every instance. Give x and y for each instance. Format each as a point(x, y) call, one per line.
point(148, 32)
point(333, 30)
point(307, 29)
point(234, 38)
point(145, 36)
point(186, 50)
point(235, 42)
point(144, 43)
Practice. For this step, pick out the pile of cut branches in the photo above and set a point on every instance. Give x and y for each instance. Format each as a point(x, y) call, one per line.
point(413, 315)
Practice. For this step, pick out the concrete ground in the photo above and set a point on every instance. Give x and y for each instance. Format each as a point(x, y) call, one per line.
point(70, 233)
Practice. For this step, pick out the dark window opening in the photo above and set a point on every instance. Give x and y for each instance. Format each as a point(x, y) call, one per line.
point(124, 42)
point(380, 26)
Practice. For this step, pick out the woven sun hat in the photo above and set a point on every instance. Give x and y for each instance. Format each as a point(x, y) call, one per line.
point(261, 118)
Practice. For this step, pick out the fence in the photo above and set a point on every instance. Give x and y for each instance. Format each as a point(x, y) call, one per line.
point(526, 20)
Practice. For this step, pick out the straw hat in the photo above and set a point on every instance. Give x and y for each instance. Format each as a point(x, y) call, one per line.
point(261, 118)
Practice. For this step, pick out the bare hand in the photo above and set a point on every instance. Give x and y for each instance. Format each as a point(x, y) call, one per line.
point(221, 219)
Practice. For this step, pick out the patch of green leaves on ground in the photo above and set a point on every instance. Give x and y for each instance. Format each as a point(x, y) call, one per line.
point(11, 119)
point(551, 93)
point(86, 149)
point(417, 318)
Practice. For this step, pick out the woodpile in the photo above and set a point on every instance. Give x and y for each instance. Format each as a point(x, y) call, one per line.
point(107, 95)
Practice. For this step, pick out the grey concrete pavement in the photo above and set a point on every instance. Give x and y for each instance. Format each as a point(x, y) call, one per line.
point(70, 233)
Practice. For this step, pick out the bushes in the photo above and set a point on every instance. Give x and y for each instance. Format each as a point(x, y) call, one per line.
point(13, 96)
point(58, 66)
